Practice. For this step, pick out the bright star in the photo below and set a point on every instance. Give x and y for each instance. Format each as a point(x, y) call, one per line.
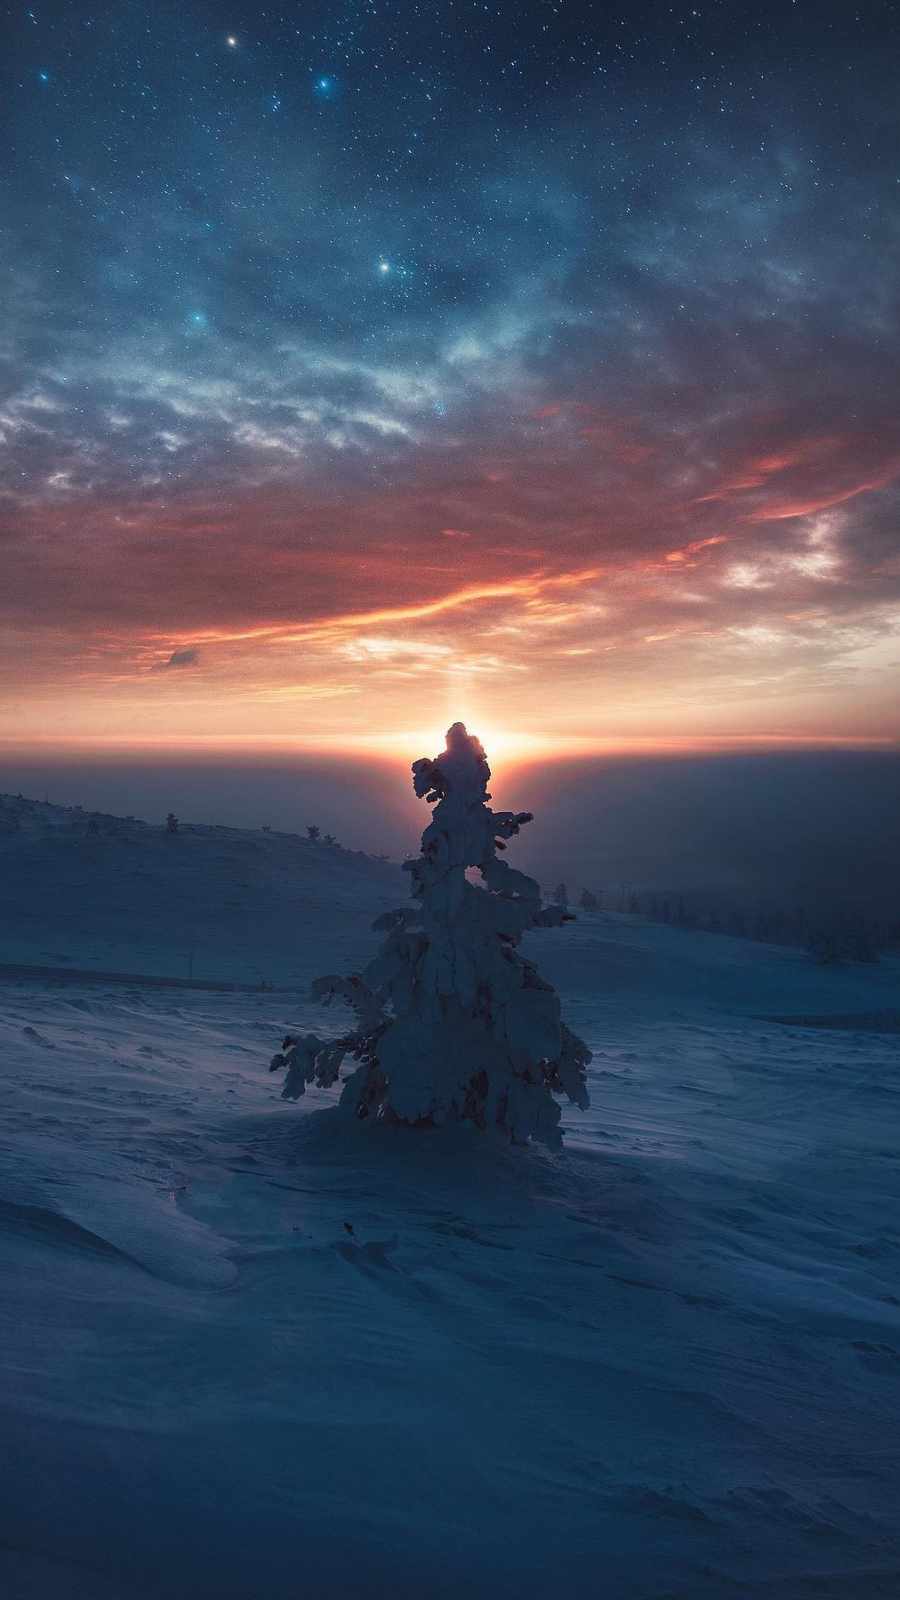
point(44, 77)
point(384, 266)
point(231, 42)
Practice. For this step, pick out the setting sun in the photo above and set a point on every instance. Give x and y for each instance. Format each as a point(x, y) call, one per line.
point(499, 744)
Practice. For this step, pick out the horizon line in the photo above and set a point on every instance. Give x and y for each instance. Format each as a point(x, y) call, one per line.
point(511, 746)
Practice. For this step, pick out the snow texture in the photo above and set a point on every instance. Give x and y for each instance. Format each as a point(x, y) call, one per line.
point(452, 1023)
point(660, 1364)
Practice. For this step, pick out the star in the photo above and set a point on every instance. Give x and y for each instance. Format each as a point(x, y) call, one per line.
point(384, 266)
point(231, 42)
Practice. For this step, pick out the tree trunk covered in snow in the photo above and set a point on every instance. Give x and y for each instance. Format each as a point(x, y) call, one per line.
point(452, 1023)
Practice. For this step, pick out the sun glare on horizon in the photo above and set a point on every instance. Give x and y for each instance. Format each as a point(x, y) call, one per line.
point(500, 744)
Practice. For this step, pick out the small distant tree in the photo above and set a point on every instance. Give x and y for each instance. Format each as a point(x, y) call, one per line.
point(588, 901)
point(171, 823)
point(863, 942)
point(329, 839)
point(452, 1024)
point(824, 946)
point(313, 832)
point(561, 896)
point(842, 941)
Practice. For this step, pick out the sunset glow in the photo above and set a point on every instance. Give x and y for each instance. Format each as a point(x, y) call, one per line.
point(600, 443)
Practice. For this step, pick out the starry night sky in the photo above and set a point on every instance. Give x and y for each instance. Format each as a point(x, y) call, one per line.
point(364, 365)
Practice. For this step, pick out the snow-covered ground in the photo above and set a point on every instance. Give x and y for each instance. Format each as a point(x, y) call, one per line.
point(237, 904)
point(665, 1363)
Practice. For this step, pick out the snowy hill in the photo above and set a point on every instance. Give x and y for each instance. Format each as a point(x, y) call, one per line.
point(116, 894)
point(661, 1364)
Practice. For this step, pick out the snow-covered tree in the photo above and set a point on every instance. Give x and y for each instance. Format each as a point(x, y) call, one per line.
point(313, 831)
point(171, 823)
point(561, 897)
point(452, 1023)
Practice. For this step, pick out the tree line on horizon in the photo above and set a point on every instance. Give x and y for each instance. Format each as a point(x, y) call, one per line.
point(830, 934)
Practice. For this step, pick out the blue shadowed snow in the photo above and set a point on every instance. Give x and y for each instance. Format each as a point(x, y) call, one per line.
point(662, 1363)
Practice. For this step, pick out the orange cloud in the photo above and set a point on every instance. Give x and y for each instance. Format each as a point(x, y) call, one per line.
point(829, 453)
point(323, 628)
point(805, 506)
point(517, 588)
point(696, 544)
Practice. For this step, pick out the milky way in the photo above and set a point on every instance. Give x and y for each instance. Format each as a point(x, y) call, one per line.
point(364, 361)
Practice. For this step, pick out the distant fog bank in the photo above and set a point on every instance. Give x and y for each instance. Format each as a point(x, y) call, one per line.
point(767, 828)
